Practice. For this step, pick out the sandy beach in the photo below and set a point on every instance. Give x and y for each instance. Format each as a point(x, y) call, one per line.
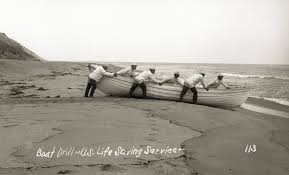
point(43, 112)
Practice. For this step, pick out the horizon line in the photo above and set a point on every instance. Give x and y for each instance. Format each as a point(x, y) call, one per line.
point(170, 62)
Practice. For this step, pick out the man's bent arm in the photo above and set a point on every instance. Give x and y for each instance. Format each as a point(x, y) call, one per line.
point(155, 80)
point(225, 85)
point(166, 80)
point(108, 74)
point(203, 83)
point(210, 84)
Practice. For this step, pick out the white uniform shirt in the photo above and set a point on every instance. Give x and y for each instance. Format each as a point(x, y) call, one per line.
point(98, 73)
point(127, 72)
point(216, 83)
point(192, 81)
point(145, 76)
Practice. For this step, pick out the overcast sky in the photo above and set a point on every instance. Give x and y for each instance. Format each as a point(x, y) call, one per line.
point(210, 31)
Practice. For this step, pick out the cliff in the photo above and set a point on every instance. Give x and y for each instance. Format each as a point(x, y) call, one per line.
point(10, 49)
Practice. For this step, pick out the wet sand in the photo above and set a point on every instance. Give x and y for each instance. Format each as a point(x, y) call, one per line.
point(42, 107)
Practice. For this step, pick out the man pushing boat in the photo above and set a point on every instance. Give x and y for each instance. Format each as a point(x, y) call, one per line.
point(140, 80)
point(190, 83)
point(174, 79)
point(128, 71)
point(217, 82)
point(95, 76)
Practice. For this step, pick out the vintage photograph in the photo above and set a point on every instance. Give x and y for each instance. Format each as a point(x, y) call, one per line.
point(144, 87)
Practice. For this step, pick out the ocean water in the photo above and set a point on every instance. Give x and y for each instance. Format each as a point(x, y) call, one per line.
point(269, 82)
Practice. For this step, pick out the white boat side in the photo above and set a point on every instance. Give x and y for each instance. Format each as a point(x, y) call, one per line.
point(223, 98)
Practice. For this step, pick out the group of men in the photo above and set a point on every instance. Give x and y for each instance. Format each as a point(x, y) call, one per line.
point(140, 79)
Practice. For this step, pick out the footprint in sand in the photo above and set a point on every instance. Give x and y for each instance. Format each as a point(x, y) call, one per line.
point(155, 129)
point(150, 139)
point(153, 134)
point(112, 168)
point(64, 172)
point(92, 165)
point(6, 126)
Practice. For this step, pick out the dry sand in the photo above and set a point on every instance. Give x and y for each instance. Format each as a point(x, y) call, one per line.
point(42, 107)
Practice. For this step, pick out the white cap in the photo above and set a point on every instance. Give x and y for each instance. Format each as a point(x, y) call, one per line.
point(152, 68)
point(133, 64)
point(202, 72)
point(177, 73)
point(220, 75)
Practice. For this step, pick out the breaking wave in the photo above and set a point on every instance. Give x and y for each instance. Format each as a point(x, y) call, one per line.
point(276, 100)
point(255, 76)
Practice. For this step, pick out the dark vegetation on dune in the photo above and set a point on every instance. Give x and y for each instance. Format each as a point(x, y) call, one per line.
point(10, 49)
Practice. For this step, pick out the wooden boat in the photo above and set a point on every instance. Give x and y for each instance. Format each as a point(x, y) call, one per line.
point(222, 98)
